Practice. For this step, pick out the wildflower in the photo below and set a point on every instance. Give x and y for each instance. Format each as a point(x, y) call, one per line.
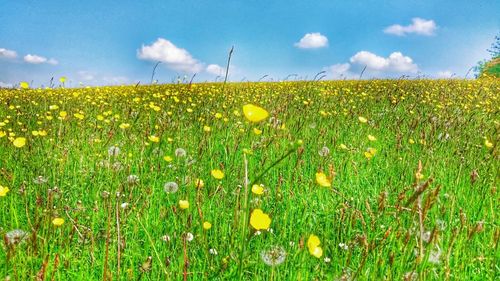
point(362, 119)
point(19, 142)
point(3, 191)
point(488, 144)
point(170, 187)
point(62, 79)
point(154, 139)
point(218, 174)
point(168, 158)
point(133, 179)
point(124, 126)
point(15, 237)
point(259, 220)
point(183, 204)
point(199, 183)
point(207, 225)
point(213, 251)
point(180, 152)
point(323, 180)
point(343, 246)
point(313, 246)
point(419, 176)
point(63, 114)
point(207, 129)
point(411, 141)
point(276, 255)
point(113, 151)
point(124, 205)
point(58, 221)
point(40, 180)
point(254, 113)
point(372, 138)
point(370, 152)
point(257, 131)
point(327, 260)
point(24, 85)
point(79, 116)
point(343, 146)
point(257, 189)
point(324, 151)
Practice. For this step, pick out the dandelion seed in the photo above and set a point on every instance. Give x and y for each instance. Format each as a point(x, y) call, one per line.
point(170, 187)
point(117, 166)
point(189, 237)
point(180, 153)
point(426, 236)
point(276, 255)
point(435, 255)
point(324, 151)
point(132, 179)
point(15, 237)
point(124, 205)
point(113, 151)
point(40, 180)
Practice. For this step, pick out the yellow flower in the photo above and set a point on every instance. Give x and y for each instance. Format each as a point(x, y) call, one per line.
point(411, 141)
point(58, 221)
point(370, 152)
point(79, 116)
point(154, 139)
point(362, 119)
point(183, 204)
point(343, 146)
point(254, 113)
point(3, 191)
point(323, 180)
point(207, 225)
point(372, 138)
point(257, 131)
point(168, 158)
point(488, 144)
point(218, 115)
point(2, 134)
point(419, 176)
point(218, 174)
point(62, 79)
point(24, 85)
point(313, 246)
point(19, 142)
point(199, 183)
point(207, 129)
point(63, 114)
point(257, 189)
point(259, 220)
point(124, 126)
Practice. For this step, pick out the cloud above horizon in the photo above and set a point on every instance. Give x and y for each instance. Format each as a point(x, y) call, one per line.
point(7, 54)
point(35, 59)
point(313, 40)
point(418, 26)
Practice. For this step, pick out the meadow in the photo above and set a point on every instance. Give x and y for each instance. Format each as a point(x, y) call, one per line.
point(324, 180)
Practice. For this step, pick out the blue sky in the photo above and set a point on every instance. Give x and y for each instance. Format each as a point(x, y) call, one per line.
point(113, 42)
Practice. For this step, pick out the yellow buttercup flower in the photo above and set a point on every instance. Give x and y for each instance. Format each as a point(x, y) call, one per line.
point(183, 204)
point(19, 142)
point(372, 138)
point(323, 180)
point(154, 139)
point(3, 191)
point(370, 152)
point(168, 158)
point(259, 220)
point(488, 144)
point(257, 131)
point(207, 129)
point(58, 221)
point(218, 174)
point(362, 119)
point(313, 246)
point(207, 225)
point(79, 116)
point(254, 113)
point(257, 189)
point(199, 183)
point(124, 126)
point(24, 85)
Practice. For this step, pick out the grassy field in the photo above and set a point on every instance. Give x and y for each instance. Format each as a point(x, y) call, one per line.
point(341, 180)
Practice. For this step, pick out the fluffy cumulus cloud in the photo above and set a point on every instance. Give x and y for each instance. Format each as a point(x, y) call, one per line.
point(215, 69)
point(339, 70)
point(7, 54)
point(174, 57)
point(312, 41)
point(396, 62)
point(34, 59)
point(418, 26)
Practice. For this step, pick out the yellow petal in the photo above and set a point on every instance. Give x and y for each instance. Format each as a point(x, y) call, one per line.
point(254, 113)
point(322, 180)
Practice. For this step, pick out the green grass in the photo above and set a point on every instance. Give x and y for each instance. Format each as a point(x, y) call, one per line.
point(368, 225)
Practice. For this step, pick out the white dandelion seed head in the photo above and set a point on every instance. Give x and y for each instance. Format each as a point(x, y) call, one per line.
point(435, 255)
point(40, 180)
point(124, 205)
point(410, 276)
point(15, 237)
point(324, 151)
point(274, 256)
point(133, 179)
point(426, 236)
point(180, 152)
point(189, 236)
point(114, 151)
point(170, 187)
point(117, 166)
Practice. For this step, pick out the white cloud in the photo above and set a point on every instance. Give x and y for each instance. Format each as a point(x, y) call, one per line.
point(34, 59)
point(339, 70)
point(312, 41)
point(215, 69)
point(174, 57)
point(7, 54)
point(396, 62)
point(445, 74)
point(116, 80)
point(418, 26)
point(5, 85)
point(85, 75)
